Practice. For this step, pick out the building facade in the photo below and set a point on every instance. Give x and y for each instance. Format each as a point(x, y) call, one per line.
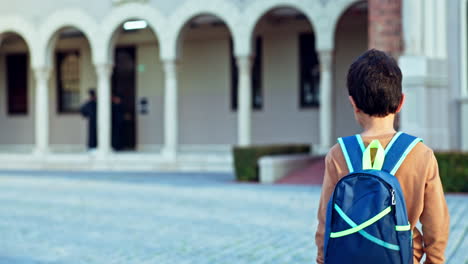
point(197, 77)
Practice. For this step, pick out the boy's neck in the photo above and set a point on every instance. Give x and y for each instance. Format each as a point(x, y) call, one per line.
point(377, 126)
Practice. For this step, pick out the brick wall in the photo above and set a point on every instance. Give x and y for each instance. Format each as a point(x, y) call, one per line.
point(385, 26)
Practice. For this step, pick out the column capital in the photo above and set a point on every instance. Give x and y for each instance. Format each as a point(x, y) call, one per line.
point(326, 56)
point(244, 63)
point(104, 69)
point(170, 62)
point(170, 67)
point(244, 57)
point(42, 73)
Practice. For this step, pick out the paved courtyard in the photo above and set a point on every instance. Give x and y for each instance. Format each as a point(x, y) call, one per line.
point(104, 218)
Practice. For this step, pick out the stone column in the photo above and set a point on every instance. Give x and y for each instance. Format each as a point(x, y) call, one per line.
point(170, 109)
point(104, 109)
point(385, 27)
point(413, 27)
point(430, 28)
point(244, 99)
point(42, 75)
point(425, 73)
point(414, 67)
point(326, 102)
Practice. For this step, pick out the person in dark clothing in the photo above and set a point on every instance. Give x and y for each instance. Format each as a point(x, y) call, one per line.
point(117, 122)
point(88, 110)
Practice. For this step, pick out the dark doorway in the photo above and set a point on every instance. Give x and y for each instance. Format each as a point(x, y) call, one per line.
point(123, 86)
point(17, 83)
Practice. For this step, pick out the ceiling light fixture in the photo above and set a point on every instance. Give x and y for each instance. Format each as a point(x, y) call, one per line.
point(137, 24)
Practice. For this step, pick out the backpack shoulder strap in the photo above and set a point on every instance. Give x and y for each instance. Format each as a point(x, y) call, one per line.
point(397, 150)
point(352, 148)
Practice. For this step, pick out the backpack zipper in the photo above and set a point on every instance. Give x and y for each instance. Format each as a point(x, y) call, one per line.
point(393, 197)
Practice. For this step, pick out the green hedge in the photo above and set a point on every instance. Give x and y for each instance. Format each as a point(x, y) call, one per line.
point(246, 158)
point(453, 168)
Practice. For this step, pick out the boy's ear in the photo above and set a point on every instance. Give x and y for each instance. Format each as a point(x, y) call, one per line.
point(356, 110)
point(402, 102)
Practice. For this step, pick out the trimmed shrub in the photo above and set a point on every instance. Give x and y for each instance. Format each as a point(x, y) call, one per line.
point(246, 158)
point(453, 168)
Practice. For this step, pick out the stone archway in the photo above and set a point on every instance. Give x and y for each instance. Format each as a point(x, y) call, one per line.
point(222, 9)
point(156, 21)
point(137, 82)
point(205, 75)
point(70, 75)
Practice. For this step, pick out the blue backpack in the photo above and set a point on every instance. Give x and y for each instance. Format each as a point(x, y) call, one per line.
point(367, 221)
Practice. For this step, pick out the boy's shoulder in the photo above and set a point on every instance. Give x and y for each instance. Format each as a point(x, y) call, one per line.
point(420, 152)
point(422, 149)
point(334, 152)
point(335, 158)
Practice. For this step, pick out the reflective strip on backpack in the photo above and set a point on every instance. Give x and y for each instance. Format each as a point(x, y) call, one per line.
point(389, 146)
point(364, 233)
point(346, 155)
point(403, 157)
point(403, 227)
point(361, 143)
point(357, 228)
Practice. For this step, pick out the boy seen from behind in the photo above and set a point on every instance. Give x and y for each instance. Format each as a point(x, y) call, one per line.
point(375, 92)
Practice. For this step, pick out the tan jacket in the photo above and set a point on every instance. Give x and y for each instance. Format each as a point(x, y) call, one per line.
point(424, 196)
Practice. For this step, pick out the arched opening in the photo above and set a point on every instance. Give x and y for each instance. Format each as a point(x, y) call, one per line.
point(16, 93)
point(72, 76)
point(137, 92)
point(285, 79)
point(207, 121)
point(351, 40)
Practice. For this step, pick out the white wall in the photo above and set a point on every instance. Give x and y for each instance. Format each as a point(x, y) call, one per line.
point(150, 85)
point(282, 120)
point(350, 42)
point(205, 115)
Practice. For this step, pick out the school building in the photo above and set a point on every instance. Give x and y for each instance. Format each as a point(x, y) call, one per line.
point(197, 77)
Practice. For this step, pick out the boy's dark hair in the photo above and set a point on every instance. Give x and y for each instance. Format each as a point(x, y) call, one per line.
point(374, 82)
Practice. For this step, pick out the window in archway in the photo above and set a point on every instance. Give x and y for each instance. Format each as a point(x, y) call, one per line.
point(309, 72)
point(257, 93)
point(68, 81)
point(17, 83)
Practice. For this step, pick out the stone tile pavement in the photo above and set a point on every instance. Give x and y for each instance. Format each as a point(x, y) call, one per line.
point(58, 218)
